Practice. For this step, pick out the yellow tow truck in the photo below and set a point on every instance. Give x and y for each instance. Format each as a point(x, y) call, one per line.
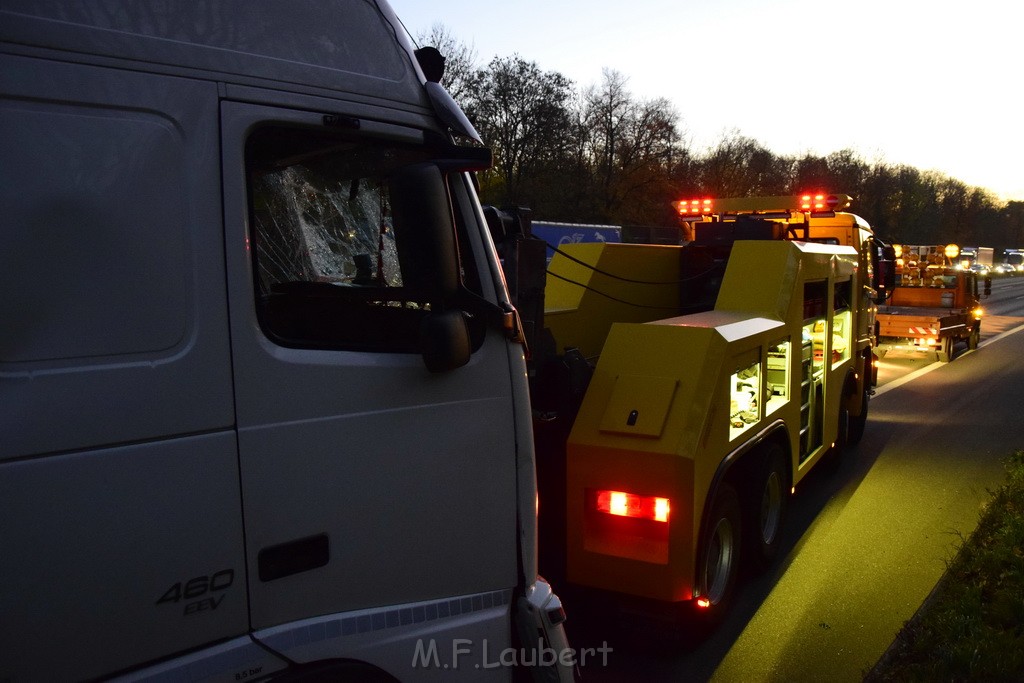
point(682, 392)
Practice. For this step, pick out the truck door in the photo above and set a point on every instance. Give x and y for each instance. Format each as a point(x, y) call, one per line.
point(367, 480)
point(120, 515)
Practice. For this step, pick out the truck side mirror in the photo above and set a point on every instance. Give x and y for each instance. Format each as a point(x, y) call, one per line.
point(444, 340)
point(423, 231)
point(988, 285)
point(425, 237)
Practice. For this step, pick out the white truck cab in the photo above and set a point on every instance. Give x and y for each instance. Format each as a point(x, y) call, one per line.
point(261, 413)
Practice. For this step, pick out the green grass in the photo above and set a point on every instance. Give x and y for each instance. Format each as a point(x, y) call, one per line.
point(972, 626)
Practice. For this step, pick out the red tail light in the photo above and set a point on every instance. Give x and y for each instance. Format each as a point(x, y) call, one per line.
point(624, 504)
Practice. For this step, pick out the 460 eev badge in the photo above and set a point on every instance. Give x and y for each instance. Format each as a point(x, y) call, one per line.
point(197, 587)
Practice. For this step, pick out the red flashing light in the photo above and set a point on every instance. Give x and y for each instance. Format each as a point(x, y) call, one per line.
point(693, 207)
point(622, 504)
point(821, 202)
point(812, 202)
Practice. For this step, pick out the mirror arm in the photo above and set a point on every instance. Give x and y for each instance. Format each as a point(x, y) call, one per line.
point(451, 157)
point(503, 317)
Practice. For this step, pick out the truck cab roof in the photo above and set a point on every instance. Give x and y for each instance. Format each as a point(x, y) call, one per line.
point(350, 46)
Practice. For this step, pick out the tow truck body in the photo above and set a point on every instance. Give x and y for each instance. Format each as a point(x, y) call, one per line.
point(715, 375)
point(934, 304)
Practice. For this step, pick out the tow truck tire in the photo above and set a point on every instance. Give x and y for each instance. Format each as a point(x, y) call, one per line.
point(856, 424)
point(719, 562)
point(766, 512)
point(843, 429)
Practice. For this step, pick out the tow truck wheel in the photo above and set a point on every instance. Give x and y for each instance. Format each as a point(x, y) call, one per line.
point(767, 511)
point(719, 559)
point(842, 430)
point(856, 425)
point(972, 341)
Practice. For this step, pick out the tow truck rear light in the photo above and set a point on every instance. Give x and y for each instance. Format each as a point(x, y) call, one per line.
point(812, 202)
point(693, 207)
point(815, 203)
point(624, 504)
point(627, 525)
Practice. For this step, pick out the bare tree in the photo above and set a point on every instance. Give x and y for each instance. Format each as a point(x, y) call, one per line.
point(739, 166)
point(811, 173)
point(1013, 225)
point(633, 147)
point(525, 116)
point(605, 110)
point(847, 172)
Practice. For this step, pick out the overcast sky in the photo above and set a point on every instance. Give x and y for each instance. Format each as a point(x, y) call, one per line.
point(932, 84)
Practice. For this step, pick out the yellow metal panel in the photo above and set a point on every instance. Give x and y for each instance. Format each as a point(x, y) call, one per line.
point(624, 283)
point(560, 295)
point(638, 405)
point(761, 277)
point(675, 355)
point(596, 467)
point(724, 322)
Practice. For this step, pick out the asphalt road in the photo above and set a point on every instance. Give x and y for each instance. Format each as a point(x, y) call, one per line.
point(866, 542)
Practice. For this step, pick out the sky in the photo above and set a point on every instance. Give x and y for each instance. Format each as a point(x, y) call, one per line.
point(931, 84)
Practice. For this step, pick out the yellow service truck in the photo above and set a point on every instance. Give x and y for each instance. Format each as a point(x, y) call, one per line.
point(934, 304)
point(682, 392)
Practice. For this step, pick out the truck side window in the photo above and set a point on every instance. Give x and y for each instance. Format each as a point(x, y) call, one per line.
point(745, 392)
point(778, 375)
point(815, 300)
point(329, 269)
point(842, 292)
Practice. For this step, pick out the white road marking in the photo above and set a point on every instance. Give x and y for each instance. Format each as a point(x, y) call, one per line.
point(907, 378)
point(999, 336)
point(936, 365)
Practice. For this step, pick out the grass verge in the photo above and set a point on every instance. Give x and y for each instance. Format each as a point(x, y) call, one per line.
point(971, 628)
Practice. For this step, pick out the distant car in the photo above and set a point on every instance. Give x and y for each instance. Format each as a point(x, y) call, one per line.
point(980, 269)
point(1004, 269)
